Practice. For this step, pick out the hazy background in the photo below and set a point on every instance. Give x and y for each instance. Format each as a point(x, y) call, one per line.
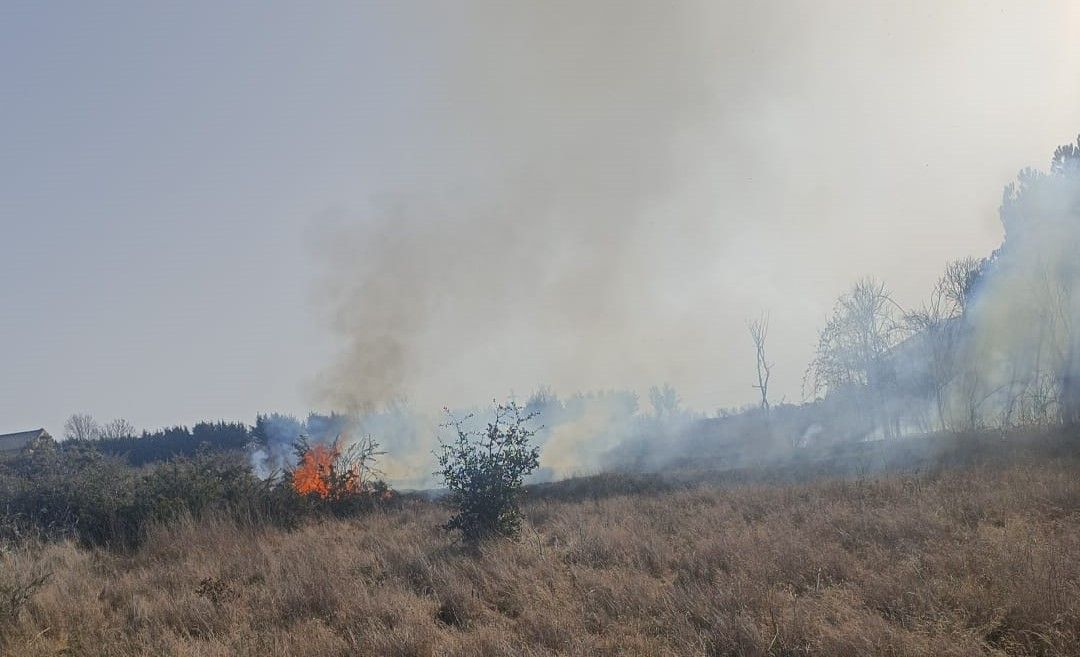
point(208, 212)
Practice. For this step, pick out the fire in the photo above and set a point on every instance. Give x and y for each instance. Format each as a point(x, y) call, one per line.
point(316, 471)
point(329, 472)
point(326, 471)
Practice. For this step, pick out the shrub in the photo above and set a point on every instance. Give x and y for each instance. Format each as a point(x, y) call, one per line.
point(72, 491)
point(100, 500)
point(484, 471)
point(195, 485)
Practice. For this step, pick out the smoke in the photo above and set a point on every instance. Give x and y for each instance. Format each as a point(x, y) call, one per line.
point(580, 442)
point(409, 436)
point(996, 346)
point(529, 259)
point(582, 434)
point(1023, 355)
point(596, 195)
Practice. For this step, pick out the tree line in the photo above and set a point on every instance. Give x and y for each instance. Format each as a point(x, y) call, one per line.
point(995, 345)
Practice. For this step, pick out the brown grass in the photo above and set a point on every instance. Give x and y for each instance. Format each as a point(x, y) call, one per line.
point(981, 560)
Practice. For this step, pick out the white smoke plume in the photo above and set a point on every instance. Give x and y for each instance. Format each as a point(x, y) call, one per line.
point(1022, 361)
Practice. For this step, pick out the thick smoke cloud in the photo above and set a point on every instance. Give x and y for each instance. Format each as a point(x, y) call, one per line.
point(596, 195)
point(1022, 359)
point(533, 256)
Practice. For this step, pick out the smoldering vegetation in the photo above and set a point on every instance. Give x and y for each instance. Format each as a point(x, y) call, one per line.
point(580, 434)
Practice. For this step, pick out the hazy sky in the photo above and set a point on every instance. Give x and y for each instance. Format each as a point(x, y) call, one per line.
point(226, 208)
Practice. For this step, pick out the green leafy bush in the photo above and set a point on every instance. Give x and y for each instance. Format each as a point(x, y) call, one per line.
point(75, 491)
point(195, 485)
point(484, 471)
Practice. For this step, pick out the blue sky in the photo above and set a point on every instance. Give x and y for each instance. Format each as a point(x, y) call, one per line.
point(166, 173)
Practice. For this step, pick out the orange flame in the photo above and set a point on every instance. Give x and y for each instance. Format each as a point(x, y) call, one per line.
point(323, 472)
point(315, 471)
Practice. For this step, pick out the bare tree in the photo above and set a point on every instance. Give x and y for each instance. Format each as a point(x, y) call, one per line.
point(865, 325)
point(82, 426)
point(118, 428)
point(854, 348)
point(759, 330)
point(957, 284)
point(938, 331)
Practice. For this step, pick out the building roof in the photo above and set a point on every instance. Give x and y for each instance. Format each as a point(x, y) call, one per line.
point(13, 441)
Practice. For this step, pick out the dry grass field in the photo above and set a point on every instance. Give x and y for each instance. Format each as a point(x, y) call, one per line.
point(976, 560)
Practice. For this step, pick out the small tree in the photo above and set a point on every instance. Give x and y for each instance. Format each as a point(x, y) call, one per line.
point(82, 426)
point(759, 330)
point(484, 471)
point(853, 351)
point(117, 429)
point(940, 332)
